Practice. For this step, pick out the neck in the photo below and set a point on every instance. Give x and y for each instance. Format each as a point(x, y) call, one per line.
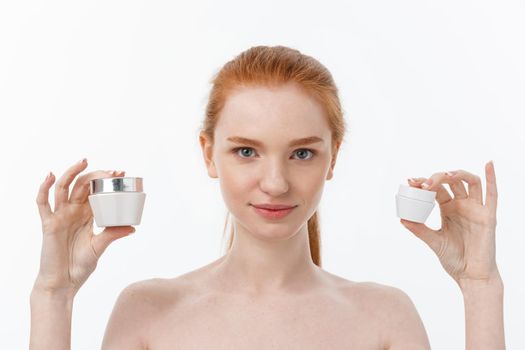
point(258, 265)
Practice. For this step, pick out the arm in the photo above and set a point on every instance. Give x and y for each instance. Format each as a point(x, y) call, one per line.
point(51, 314)
point(69, 254)
point(466, 247)
point(483, 314)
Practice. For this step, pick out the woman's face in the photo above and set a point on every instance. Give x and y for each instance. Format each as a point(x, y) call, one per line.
point(273, 170)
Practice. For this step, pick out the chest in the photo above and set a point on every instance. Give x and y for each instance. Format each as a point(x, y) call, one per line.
point(279, 323)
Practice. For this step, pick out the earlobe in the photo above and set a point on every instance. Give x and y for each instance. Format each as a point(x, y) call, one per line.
point(334, 159)
point(330, 174)
point(332, 164)
point(212, 171)
point(207, 152)
point(331, 170)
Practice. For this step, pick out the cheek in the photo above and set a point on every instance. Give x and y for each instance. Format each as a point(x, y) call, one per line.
point(311, 186)
point(235, 184)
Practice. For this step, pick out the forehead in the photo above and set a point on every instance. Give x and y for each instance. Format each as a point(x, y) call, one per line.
point(284, 110)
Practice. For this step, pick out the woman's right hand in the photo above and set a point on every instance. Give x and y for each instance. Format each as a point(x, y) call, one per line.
point(70, 249)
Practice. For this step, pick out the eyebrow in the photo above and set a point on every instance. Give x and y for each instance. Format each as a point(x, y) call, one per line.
point(302, 141)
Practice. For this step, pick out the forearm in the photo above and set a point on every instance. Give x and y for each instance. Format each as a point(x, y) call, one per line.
point(483, 314)
point(51, 314)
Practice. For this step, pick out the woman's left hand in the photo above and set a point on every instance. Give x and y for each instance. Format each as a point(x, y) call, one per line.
point(465, 243)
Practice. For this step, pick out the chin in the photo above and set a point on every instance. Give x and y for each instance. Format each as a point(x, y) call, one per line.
point(271, 231)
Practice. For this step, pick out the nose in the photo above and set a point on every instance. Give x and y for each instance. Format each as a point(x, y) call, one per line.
point(273, 180)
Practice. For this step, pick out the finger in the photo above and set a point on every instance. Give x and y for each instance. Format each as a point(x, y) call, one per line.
point(426, 234)
point(80, 192)
point(101, 241)
point(457, 187)
point(474, 184)
point(42, 198)
point(442, 195)
point(491, 199)
point(62, 186)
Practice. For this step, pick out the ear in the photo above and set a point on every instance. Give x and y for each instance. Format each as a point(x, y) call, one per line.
point(332, 163)
point(207, 152)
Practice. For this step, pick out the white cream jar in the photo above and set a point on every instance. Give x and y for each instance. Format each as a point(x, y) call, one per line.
point(414, 204)
point(117, 201)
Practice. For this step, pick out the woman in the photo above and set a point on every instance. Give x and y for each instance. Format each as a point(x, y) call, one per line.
point(271, 135)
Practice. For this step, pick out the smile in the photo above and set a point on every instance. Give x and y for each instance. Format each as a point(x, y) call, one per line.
point(273, 214)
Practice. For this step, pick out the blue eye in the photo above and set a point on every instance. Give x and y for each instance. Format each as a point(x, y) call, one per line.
point(302, 150)
point(242, 148)
point(306, 150)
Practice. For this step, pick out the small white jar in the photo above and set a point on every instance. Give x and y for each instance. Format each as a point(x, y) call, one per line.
point(414, 204)
point(117, 201)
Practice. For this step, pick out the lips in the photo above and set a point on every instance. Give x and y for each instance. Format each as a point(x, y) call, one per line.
point(273, 206)
point(273, 213)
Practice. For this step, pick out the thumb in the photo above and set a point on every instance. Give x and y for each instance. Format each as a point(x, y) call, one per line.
point(102, 240)
point(426, 234)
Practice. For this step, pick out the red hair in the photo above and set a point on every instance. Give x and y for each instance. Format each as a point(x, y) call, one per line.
point(270, 66)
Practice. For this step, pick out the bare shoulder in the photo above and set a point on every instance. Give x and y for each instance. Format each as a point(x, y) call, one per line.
point(390, 308)
point(365, 291)
point(136, 306)
point(396, 312)
point(142, 304)
point(148, 295)
point(371, 297)
point(388, 297)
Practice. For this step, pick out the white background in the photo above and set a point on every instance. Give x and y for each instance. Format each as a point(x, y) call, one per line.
point(426, 86)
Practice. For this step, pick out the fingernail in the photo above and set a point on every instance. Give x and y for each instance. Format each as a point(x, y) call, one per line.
point(412, 179)
point(425, 185)
point(451, 173)
point(82, 161)
point(48, 176)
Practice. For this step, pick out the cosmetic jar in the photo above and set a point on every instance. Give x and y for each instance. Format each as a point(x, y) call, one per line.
point(414, 204)
point(117, 201)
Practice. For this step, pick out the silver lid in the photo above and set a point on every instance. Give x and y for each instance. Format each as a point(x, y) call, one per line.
point(116, 184)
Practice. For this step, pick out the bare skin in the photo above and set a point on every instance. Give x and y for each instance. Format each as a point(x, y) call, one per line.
point(266, 292)
point(197, 311)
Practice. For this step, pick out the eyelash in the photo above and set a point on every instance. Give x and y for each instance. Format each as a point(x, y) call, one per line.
point(314, 153)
